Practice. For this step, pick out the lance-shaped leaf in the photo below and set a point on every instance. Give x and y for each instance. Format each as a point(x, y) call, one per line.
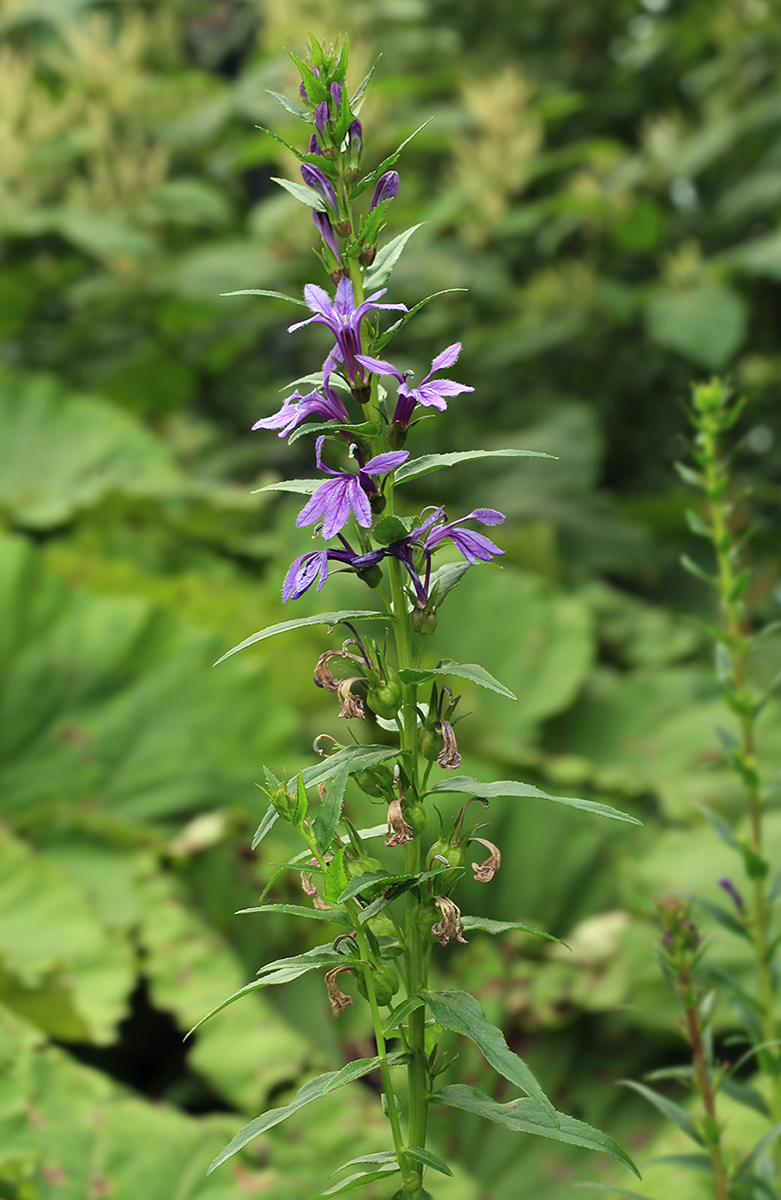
point(461, 1013)
point(299, 487)
point(270, 819)
point(332, 618)
point(356, 758)
point(368, 180)
point(524, 1116)
point(360, 1179)
point(427, 1159)
point(415, 467)
point(366, 429)
point(305, 1095)
point(264, 292)
point(335, 877)
point(489, 926)
point(330, 811)
point(385, 337)
point(298, 910)
point(356, 1070)
point(383, 880)
point(380, 270)
point(282, 971)
point(401, 1012)
point(508, 787)
point(301, 193)
point(471, 671)
point(669, 1109)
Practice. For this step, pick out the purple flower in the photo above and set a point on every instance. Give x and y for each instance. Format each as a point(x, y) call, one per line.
point(344, 320)
point(355, 138)
point(314, 145)
point(733, 893)
point(321, 117)
point(297, 408)
point(326, 230)
point(336, 93)
point(315, 179)
point(426, 536)
point(345, 493)
point(314, 566)
point(472, 545)
point(387, 189)
point(431, 393)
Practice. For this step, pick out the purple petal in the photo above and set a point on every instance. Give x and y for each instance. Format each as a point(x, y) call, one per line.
point(344, 304)
point(488, 516)
point(446, 358)
point(379, 367)
point(315, 508)
point(337, 510)
point(382, 463)
point(302, 574)
point(319, 301)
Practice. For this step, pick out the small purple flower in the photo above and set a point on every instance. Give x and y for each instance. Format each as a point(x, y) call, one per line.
point(345, 493)
point(336, 93)
point(472, 545)
point(321, 116)
point(387, 188)
point(431, 393)
point(297, 408)
point(426, 536)
point(355, 138)
point(344, 320)
point(326, 231)
point(315, 179)
point(733, 893)
point(314, 145)
point(314, 566)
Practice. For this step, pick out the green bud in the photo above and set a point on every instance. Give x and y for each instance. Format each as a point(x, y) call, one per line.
point(429, 743)
point(385, 980)
point(371, 576)
point(377, 502)
point(363, 865)
point(415, 815)
point(424, 620)
point(454, 856)
point(385, 699)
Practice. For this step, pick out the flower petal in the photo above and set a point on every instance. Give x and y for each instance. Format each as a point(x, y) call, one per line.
point(382, 463)
point(446, 358)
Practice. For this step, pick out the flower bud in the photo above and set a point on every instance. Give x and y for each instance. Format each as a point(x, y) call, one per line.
point(336, 94)
point(367, 255)
point(385, 699)
point(377, 502)
point(371, 576)
point(425, 620)
point(315, 179)
point(321, 117)
point(387, 188)
point(385, 980)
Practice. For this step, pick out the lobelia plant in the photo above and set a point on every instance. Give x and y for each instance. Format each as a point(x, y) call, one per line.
point(698, 978)
point(389, 913)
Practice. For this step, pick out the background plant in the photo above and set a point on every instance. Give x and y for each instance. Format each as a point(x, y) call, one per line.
point(132, 502)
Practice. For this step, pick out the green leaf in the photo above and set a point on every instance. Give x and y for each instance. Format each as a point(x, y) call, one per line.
point(264, 292)
point(461, 1013)
point(385, 337)
point(689, 565)
point(362, 86)
point(355, 1070)
point(525, 1116)
point(448, 576)
point(299, 487)
point(271, 817)
point(724, 917)
point(741, 1093)
point(298, 910)
point(672, 1111)
point(428, 1159)
point(284, 970)
point(471, 671)
point(335, 877)
point(508, 787)
point(392, 529)
point(367, 429)
point(302, 193)
point(756, 1150)
point(414, 468)
point(302, 801)
point(360, 1179)
point(288, 105)
point(401, 1012)
point(381, 1156)
point(332, 618)
point(720, 827)
point(489, 926)
point(384, 881)
point(380, 270)
point(689, 475)
point(368, 180)
point(330, 812)
point(305, 1095)
point(358, 757)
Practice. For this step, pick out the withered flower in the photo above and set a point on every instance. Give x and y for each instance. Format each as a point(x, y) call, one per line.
point(485, 871)
point(350, 704)
point(310, 890)
point(449, 755)
point(399, 831)
point(450, 924)
point(338, 999)
point(323, 675)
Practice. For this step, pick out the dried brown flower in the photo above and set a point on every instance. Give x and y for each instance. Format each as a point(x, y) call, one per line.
point(449, 756)
point(450, 924)
point(485, 871)
point(339, 1001)
point(399, 831)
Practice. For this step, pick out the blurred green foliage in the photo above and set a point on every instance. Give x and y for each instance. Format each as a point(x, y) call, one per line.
point(605, 180)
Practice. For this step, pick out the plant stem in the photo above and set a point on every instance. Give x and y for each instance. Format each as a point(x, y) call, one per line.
point(705, 1085)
